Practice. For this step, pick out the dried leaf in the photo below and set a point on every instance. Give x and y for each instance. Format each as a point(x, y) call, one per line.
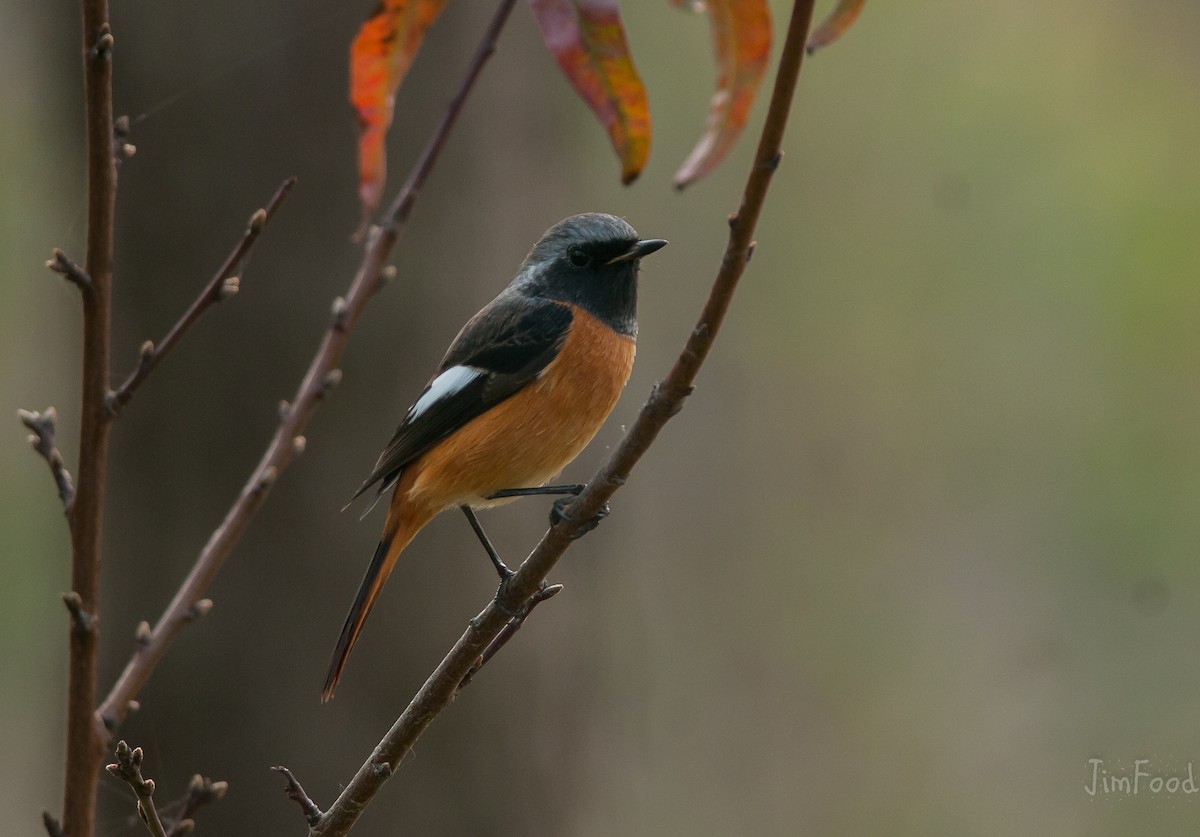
point(587, 40)
point(741, 32)
point(380, 56)
point(835, 24)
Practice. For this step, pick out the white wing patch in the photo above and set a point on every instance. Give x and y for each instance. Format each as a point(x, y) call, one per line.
point(445, 385)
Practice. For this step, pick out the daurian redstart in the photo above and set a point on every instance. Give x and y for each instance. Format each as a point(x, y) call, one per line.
point(523, 388)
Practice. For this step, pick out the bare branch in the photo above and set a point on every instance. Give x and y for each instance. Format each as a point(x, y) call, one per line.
point(70, 271)
point(546, 591)
point(85, 739)
point(52, 825)
point(42, 424)
point(128, 768)
point(180, 815)
point(665, 401)
point(223, 284)
point(295, 791)
point(320, 379)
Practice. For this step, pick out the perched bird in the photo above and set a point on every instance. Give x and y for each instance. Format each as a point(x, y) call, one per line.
point(523, 388)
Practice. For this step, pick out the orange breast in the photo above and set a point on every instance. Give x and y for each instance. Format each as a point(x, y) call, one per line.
point(527, 439)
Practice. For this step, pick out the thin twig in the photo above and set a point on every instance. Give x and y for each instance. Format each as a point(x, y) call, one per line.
point(52, 825)
point(665, 401)
point(85, 742)
point(179, 816)
point(42, 441)
point(546, 591)
point(81, 620)
point(295, 791)
point(70, 271)
point(128, 768)
point(320, 379)
point(223, 284)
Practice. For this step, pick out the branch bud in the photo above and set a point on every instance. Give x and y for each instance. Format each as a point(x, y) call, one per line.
point(257, 221)
point(104, 45)
point(268, 478)
point(299, 443)
point(338, 309)
point(332, 378)
point(229, 287)
point(143, 634)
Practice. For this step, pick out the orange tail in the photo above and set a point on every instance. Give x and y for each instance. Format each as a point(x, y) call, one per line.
point(398, 532)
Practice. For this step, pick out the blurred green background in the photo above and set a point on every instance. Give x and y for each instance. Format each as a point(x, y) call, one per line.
point(922, 544)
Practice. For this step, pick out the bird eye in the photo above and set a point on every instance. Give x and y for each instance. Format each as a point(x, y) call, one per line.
point(578, 257)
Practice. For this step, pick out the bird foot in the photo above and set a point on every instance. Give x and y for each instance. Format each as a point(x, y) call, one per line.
point(519, 613)
point(558, 513)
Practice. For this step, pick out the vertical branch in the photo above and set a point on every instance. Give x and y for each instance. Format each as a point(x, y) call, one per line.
point(84, 749)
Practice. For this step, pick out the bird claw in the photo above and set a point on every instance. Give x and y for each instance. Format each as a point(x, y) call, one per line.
point(520, 612)
point(558, 514)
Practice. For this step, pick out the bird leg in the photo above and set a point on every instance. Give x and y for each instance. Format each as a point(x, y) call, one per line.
point(557, 511)
point(572, 489)
point(501, 568)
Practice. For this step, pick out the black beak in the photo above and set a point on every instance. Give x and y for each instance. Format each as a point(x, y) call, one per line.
point(639, 249)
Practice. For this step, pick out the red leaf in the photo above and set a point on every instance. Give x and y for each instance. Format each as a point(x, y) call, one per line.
point(380, 56)
point(835, 25)
point(741, 32)
point(587, 40)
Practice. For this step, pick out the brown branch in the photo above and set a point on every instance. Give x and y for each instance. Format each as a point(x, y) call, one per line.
point(223, 284)
point(81, 620)
point(70, 271)
point(51, 824)
point(295, 791)
point(665, 401)
point(179, 816)
point(42, 441)
point(320, 379)
point(85, 744)
point(128, 768)
point(546, 591)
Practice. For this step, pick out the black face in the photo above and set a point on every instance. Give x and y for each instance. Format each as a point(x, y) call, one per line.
point(590, 261)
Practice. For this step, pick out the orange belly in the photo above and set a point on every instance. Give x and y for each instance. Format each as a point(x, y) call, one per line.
point(529, 438)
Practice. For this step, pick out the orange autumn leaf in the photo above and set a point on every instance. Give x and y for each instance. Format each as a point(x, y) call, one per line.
point(382, 52)
point(835, 24)
point(741, 31)
point(587, 40)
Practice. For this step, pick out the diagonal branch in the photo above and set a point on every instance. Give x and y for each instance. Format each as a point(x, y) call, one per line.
point(320, 379)
point(545, 591)
point(665, 401)
point(223, 284)
point(42, 441)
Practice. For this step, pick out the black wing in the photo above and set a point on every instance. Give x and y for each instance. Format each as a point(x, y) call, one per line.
point(508, 344)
